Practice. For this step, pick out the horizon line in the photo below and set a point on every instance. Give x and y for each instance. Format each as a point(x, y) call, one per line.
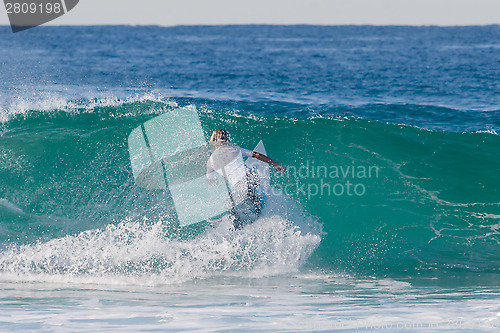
point(264, 25)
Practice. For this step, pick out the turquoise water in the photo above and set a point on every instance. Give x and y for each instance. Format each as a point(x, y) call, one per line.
point(386, 219)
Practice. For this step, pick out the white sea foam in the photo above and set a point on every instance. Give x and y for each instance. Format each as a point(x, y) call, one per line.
point(51, 101)
point(489, 131)
point(139, 252)
point(295, 302)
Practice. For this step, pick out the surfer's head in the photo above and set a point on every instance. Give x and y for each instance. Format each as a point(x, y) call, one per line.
point(218, 138)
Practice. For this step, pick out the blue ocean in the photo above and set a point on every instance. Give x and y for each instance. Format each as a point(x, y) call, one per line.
point(386, 219)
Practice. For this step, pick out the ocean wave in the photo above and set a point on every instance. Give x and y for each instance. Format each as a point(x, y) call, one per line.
point(431, 203)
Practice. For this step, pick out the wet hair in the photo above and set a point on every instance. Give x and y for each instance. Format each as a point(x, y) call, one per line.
point(219, 135)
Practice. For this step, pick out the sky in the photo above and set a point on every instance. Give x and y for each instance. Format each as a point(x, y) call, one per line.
point(321, 12)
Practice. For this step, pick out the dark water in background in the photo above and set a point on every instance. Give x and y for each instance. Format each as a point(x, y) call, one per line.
point(413, 110)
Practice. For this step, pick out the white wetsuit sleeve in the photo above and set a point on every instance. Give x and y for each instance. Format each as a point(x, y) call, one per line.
point(210, 169)
point(246, 152)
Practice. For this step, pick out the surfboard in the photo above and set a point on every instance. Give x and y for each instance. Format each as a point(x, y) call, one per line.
point(262, 171)
point(247, 209)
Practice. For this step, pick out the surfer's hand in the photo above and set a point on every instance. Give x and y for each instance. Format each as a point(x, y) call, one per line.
point(211, 181)
point(279, 168)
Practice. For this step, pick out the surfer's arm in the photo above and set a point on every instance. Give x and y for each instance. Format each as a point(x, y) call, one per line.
point(264, 158)
point(211, 178)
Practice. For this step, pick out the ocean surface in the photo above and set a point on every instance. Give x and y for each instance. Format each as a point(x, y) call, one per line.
point(387, 219)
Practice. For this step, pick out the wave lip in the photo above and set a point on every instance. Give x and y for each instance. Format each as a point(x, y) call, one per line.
point(10, 207)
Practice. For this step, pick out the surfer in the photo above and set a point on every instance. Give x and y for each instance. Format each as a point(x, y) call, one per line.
point(227, 160)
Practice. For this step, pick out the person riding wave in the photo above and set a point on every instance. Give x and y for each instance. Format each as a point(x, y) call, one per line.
point(227, 161)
